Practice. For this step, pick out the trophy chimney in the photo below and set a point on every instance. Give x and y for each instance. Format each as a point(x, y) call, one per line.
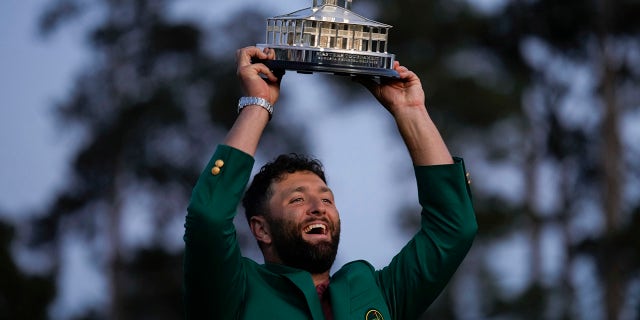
point(341, 3)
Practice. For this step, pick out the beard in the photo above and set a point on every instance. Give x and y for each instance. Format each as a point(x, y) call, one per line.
point(296, 252)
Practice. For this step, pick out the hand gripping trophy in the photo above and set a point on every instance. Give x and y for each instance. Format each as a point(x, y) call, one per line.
point(328, 37)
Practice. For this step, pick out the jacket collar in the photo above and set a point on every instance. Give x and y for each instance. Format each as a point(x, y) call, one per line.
point(303, 281)
point(338, 289)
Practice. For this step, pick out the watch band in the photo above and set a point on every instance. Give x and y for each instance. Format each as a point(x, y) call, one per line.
point(248, 101)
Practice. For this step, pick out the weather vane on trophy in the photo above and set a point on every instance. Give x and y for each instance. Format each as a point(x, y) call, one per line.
point(328, 37)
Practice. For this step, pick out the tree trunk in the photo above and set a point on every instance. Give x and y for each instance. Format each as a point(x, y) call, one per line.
point(611, 163)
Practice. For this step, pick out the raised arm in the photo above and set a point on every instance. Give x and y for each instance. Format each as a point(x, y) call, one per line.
point(421, 270)
point(256, 81)
point(214, 278)
point(404, 99)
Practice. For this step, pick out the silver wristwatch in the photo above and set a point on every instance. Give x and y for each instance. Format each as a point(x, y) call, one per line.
point(248, 101)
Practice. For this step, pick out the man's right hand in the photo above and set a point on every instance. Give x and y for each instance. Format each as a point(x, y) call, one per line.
point(256, 79)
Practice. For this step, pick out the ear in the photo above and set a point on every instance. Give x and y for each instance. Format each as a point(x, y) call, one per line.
point(260, 229)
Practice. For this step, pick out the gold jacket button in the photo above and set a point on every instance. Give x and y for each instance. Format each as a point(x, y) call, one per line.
point(215, 171)
point(219, 163)
point(468, 178)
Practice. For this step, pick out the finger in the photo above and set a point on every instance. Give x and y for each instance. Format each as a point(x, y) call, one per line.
point(409, 75)
point(403, 72)
point(252, 70)
point(244, 55)
point(271, 75)
point(270, 53)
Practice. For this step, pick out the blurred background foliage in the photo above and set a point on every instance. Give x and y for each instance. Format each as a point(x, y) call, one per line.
point(546, 88)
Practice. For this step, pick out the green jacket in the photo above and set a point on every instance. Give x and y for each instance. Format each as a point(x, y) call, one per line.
point(221, 284)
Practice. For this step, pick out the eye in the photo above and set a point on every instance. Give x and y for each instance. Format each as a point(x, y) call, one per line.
point(296, 200)
point(327, 201)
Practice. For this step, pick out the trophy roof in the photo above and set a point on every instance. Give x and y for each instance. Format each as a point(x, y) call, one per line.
point(332, 13)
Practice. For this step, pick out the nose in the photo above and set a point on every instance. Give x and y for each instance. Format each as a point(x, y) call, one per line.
point(316, 207)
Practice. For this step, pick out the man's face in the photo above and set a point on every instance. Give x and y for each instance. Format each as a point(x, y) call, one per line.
point(304, 222)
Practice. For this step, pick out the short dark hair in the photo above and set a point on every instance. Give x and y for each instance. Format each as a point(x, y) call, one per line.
point(259, 192)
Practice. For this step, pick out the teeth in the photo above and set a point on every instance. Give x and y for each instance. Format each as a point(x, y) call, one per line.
point(313, 226)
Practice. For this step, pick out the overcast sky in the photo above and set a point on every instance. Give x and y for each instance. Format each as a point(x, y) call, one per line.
point(34, 73)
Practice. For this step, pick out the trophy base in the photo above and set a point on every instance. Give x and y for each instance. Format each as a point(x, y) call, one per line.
point(305, 67)
point(310, 60)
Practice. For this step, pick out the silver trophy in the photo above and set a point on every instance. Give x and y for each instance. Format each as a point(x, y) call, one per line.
point(328, 37)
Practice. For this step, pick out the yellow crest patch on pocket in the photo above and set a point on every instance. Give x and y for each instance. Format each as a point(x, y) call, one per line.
point(373, 314)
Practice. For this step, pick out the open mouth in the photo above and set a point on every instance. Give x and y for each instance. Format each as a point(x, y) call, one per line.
point(316, 228)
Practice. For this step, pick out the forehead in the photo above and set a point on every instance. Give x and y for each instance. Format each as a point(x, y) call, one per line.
point(298, 179)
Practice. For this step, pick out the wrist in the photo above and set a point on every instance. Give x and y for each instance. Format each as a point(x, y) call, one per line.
point(409, 112)
point(255, 101)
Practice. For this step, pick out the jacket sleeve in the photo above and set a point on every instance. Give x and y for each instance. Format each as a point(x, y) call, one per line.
point(417, 275)
point(214, 280)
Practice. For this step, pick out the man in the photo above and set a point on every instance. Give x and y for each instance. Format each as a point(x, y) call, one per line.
point(293, 217)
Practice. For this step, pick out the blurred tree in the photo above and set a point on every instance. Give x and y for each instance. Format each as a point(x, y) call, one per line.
point(537, 85)
point(595, 42)
point(21, 296)
point(151, 104)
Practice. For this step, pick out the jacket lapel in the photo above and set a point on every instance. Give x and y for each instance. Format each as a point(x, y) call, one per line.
point(303, 281)
point(339, 291)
